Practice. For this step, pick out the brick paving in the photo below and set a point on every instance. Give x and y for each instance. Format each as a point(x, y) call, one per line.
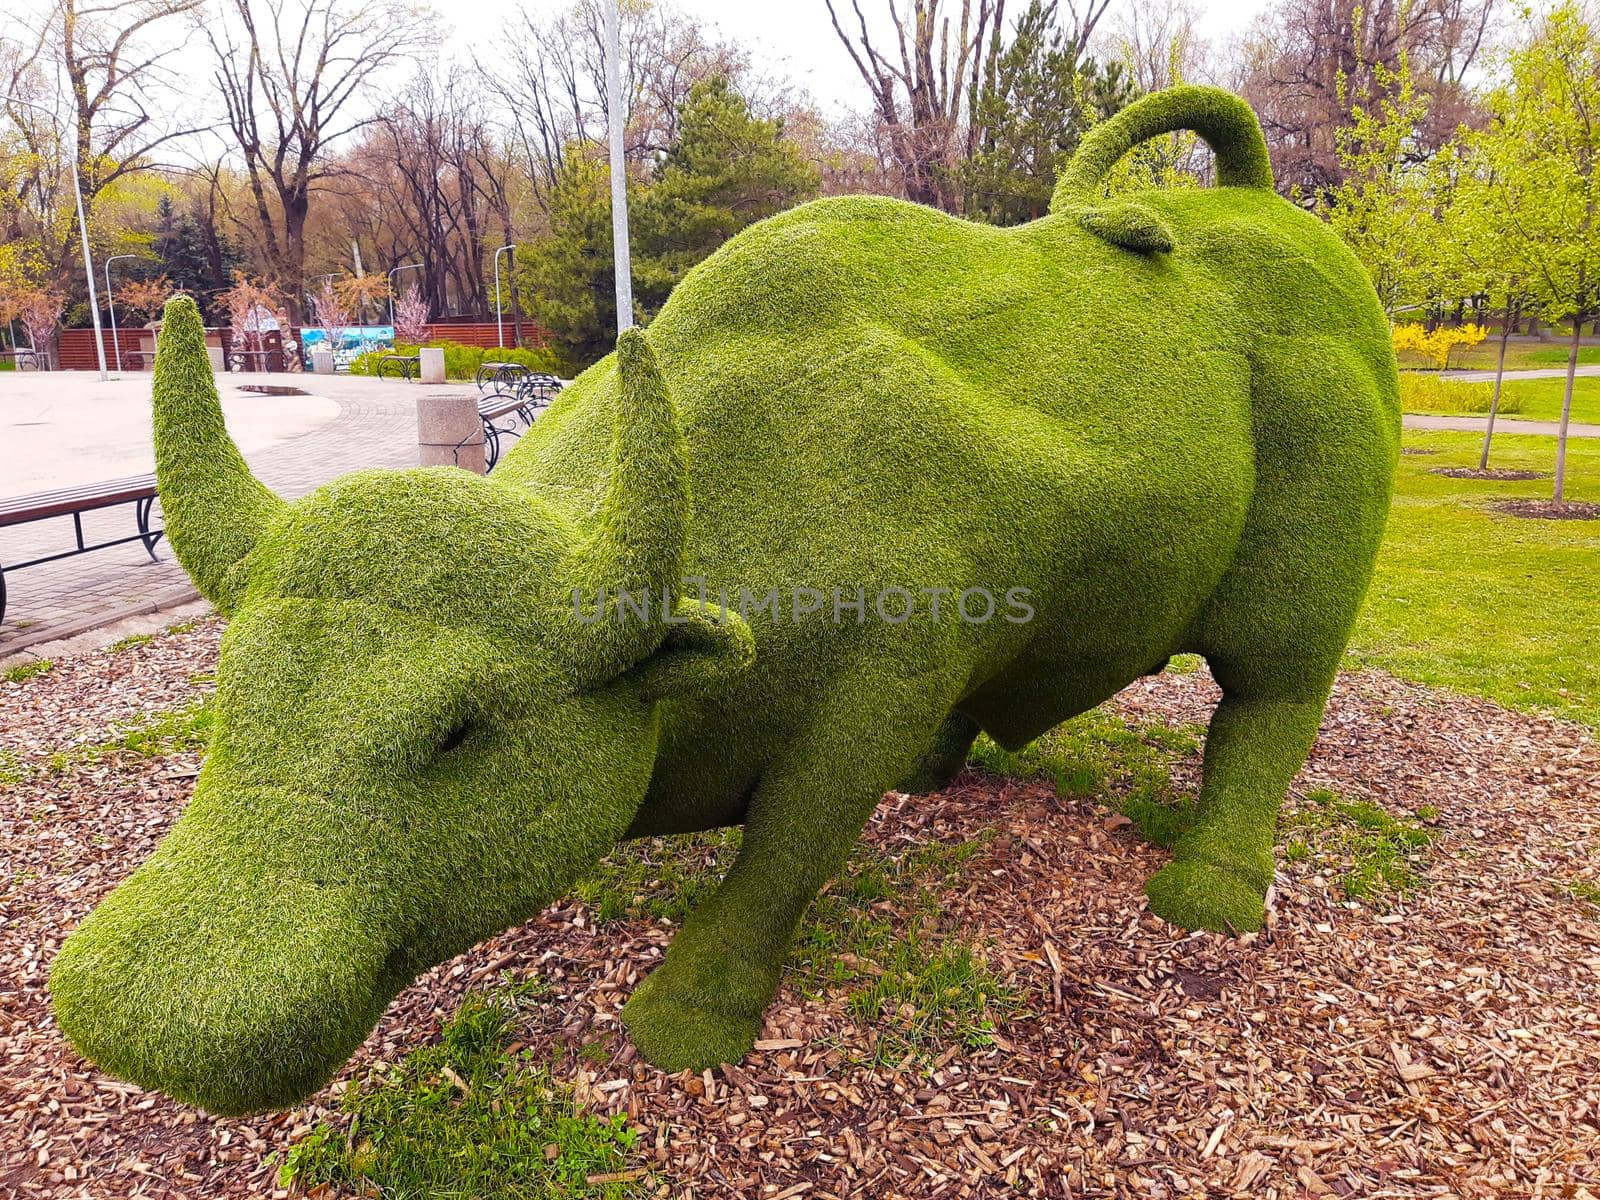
point(375, 427)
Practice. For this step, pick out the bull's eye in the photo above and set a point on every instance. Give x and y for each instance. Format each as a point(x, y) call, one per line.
point(457, 736)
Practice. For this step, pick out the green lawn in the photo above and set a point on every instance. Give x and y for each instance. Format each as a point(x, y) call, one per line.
point(1471, 599)
point(1541, 398)
point(1521, 355)
point(1530, 399)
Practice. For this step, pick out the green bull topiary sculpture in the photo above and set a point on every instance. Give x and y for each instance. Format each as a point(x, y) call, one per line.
point(1165, 423)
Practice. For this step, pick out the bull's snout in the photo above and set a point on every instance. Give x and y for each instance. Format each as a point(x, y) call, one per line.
point(214, 978)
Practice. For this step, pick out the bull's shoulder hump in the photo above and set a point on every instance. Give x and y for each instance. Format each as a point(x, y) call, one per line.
point(830, 255)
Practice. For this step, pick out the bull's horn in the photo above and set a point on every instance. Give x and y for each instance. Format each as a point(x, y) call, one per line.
point(213, 507)
point(637, 546)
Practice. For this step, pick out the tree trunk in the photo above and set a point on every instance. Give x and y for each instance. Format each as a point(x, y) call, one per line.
point(292, 266)
point(1499, 376)
point(1566, 409)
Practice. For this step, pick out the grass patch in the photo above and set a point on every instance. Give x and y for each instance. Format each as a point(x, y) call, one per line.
point(1526, 399)
point(872, 932)
point(1426, 393)
point(1097, 756)
point(1521, 355)
point(1582, 889)
point(132, 642)
point(1374, 851)
point(659, 878)
point(468, 1117)
point(1467, 598)
point(875, 933)
point(182, 732)
point(27, 670)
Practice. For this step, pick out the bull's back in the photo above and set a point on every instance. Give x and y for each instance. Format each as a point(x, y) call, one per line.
point(874, 392)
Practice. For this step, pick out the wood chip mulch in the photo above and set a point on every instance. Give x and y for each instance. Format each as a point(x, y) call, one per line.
point(1549, 510)
point(1446, 1046)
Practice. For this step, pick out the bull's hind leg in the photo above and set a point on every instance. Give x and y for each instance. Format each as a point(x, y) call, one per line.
point(1258, 739)
point(1275, 630)
point(944, 758)
point(703, 1005)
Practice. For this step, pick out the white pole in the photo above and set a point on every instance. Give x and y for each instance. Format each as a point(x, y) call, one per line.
point(499, 308)
point(111, 305)
point(88, 268)
point(83, 232)
point(619, 169)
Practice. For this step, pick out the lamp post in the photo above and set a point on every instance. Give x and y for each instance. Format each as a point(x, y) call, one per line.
point(621, 257)
point(83, 231)
point(499, 314)
point(393, 271)
point(111, 306)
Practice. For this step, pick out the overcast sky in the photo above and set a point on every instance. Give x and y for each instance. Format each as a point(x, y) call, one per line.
point(795, 37)
point(792, 38)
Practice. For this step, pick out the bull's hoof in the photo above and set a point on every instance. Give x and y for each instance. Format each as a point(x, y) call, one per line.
point(685, 1037)
point(1194, 894)
point(930, 776)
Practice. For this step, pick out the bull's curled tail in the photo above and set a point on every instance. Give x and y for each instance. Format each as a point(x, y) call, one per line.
point(1226, 123)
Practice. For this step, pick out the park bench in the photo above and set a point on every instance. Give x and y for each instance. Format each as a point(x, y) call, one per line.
point(492, 409)
point(407, 366)
point(23, 358)
point(501, 376)
point(532, 388)
point(139, 491)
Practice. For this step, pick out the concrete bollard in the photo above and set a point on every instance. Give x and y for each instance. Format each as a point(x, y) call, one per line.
point(449, 432)
point(431, 364)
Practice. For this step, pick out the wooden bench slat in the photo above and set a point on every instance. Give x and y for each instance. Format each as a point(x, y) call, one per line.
point(36, 506)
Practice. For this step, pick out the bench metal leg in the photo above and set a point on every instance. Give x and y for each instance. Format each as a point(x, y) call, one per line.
point(2, 593)
point(491, 445)
point(141, 512)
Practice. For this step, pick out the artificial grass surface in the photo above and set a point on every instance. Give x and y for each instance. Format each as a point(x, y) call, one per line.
point(1468, 598)
point(1168, 420)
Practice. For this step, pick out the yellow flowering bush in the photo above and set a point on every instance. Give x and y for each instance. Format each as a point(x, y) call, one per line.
point(1436, 345)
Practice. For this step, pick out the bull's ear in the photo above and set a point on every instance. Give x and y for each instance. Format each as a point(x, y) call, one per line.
point(704, 648)
point(1129, 224)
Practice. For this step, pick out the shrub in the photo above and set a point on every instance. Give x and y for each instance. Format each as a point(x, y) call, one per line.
point(1420, 392)
point(1435, 346)
point(462, 362)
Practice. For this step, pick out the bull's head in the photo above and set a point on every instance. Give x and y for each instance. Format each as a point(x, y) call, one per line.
point(417, 741)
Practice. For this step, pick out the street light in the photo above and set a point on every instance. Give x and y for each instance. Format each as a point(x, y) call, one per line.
point(83, 230)
point(499, 308)
point(111, 305)
point(393, 271)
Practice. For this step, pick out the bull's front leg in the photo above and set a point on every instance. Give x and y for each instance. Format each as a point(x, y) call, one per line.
point(703, 1006)
point(1222, 866)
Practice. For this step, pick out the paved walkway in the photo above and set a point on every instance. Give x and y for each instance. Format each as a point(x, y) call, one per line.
point(1530, 373)
point(293, 443)
point(1501, 425)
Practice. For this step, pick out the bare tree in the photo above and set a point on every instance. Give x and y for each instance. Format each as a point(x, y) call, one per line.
point(1307, 61)
point(110, 113)
point(557, 100)
point(926, 82)
point(294, 76)
point(1158, 41)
